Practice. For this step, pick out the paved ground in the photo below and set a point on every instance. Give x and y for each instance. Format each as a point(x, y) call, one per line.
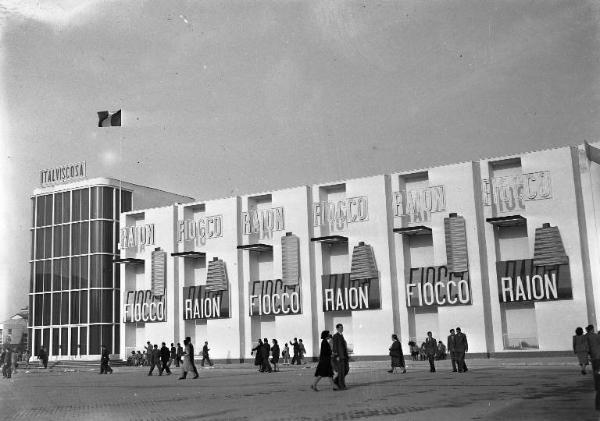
point(507, 389)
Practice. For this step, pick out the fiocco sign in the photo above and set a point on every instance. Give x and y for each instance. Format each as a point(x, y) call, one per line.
point(434, 286)
point(272, 297)
point(144, 307)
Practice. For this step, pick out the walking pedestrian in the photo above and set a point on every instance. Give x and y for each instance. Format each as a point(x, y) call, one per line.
point(461, 346)
point(430, 350)
point(594, 347)
point(104, 361)
point(205, 357)
point(286, 354)
point(192, 362)
point(165, 354)
point(441, 351)
point(275, 354)
point(296, 347)
point(258, 356)
point(8, 359)
point(451, 342)
point(581, 348)
point(324, 368)
point(414, 350)
point(396, 355)
point(154, 358)
point(339, 352)
point(173, 356)
point(149, 348)
point(188, 356)
point(179, 354)
point(43, 356)
point(302, 351)
point(266, 349)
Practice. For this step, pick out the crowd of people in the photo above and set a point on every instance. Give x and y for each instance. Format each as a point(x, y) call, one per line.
point(10, 359)
point(587, 348)
point(432, 350)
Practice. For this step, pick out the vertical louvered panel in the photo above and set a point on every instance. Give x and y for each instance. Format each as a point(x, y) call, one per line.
point(158, 275)
point(363, 262)
point(290, 259)
point(548, 249)
point(216, 278)
point(456, 244)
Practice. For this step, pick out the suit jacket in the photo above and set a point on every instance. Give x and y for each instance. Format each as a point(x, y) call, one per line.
point(430, 346)
point(339, 348)
point(450, 342)
point(460, 343)
point(594, 345)
point(205, 351)
point(165, 354)
point(155, 356)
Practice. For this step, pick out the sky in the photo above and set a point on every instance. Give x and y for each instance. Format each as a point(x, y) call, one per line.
point(223, 98)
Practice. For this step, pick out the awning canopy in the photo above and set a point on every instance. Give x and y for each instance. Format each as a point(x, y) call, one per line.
point(127, 260)
point(416, 230)
point(258, 247)
point(331, 239)
point(191, 254)
point(507, 221)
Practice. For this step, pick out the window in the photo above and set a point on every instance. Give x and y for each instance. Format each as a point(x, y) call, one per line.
point(102, 202)
point(95, 339)
point(10, 331)
point(58, 208)
point(66, 207)
point(64, 273)
point(101, 271)
point(74, 341)
point(79, 238)
point(47, 274)
point(102, 237)
point(83, 302)
point(56, 308)
point(75, 307)
point(47, 306)
point(58, 250)
point(83, 341)
point(39, 309)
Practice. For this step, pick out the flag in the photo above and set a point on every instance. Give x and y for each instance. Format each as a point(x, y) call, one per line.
point(106, 119)
point(592, 153)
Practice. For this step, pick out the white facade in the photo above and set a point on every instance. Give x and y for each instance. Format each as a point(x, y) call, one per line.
point(505, 248)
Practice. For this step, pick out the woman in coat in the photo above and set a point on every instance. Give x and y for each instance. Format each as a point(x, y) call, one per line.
point(258, 355)
point(324, 368)
point(396, 355)
point(275, 352)
point(187, 360)
point(581, 348)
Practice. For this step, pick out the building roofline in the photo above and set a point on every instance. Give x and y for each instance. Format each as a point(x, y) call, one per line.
point(97, 181)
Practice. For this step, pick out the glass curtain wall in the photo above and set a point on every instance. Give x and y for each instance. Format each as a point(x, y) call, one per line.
point(74, 287)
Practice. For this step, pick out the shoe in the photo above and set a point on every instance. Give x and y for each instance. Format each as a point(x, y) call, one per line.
point(390, 371)
point(195, 377)
point(313, 387)
point(181, 378)
point(583, 372)
point(404, 371)
point(455, 371)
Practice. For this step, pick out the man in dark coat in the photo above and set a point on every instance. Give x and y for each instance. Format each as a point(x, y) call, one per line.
point(461, 346)
point(451, 342)
point(265, 351)
point(154, 359)
point(165, 354)
point(43, 356)
point(205, 356)
point(179, 354)
point(194, 369)
point(430, 350)
point(104, 360)
point(173, 357)
point(339, 354)
point(296, 356)
point(594, 350)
